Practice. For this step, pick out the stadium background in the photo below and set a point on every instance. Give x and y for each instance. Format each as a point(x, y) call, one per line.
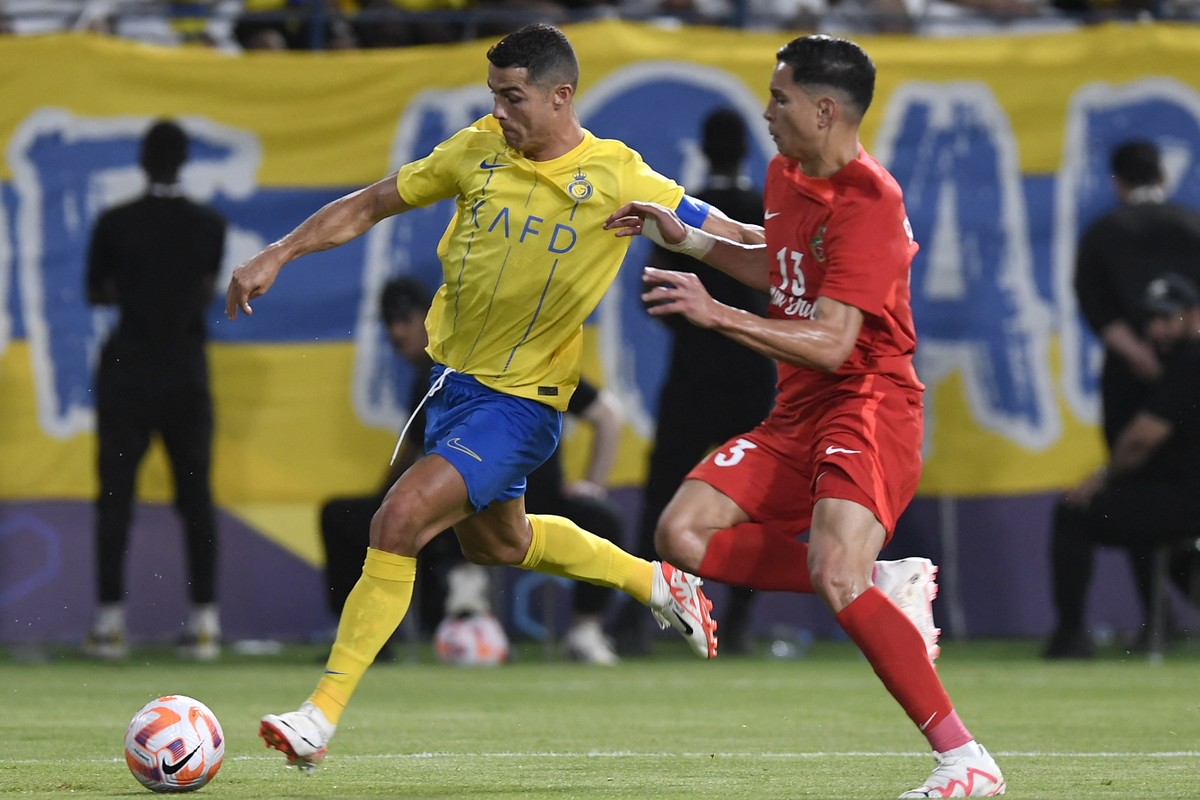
point(1000, 143)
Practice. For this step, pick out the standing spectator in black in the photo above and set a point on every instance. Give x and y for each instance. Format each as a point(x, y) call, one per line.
point(1119, 254)
point(736, 384)
point(157, 259)
point(345, 521)
point(1149, 493)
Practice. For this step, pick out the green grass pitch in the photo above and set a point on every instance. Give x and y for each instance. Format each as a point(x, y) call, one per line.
point(662, 727)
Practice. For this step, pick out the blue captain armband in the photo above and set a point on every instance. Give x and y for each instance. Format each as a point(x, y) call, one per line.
point(692, 211)
point(696, 243)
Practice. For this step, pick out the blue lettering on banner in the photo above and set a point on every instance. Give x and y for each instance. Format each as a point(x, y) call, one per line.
point(991, 285)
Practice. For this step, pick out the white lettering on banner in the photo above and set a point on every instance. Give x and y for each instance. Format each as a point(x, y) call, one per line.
point(975, 299)
point(67, 169)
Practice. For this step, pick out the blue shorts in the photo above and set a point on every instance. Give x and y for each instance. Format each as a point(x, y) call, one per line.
point(493, 439)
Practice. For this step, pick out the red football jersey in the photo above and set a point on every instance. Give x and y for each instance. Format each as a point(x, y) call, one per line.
point(846, 238)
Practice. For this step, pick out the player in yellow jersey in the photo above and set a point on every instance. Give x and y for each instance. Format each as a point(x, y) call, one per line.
point(525, 260)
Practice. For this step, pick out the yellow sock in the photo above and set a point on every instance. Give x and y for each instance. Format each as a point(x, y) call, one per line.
point(562, 548)
point(374, 609)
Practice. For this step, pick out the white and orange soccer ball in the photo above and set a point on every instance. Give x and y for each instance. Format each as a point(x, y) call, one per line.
point(473, 640)
point(174, 744)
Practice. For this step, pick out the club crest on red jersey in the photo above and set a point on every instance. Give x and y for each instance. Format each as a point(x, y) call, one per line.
point(817, 245)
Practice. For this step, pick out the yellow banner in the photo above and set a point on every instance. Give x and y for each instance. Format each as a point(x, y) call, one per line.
point(1000, 143)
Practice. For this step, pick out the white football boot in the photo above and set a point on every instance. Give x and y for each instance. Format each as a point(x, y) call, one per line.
point(967, 771)
point(910, 584)
point(677, 600)
point(303, 736)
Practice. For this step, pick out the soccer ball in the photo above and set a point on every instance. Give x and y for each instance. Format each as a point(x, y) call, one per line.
point(471, 640)
point(174, 744)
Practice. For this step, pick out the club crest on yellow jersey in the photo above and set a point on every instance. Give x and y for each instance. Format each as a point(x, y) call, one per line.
point(579, 189)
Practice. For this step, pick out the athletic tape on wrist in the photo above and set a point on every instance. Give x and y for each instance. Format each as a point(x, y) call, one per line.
point(696, 243)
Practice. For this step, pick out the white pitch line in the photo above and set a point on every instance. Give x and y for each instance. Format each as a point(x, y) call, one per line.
point(615, 754)
point(707, 754)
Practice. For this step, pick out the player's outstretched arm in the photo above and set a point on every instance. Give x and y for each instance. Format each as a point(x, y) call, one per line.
point(744, 260)
point(720, 224)
point(339, 222)
point(823, 342)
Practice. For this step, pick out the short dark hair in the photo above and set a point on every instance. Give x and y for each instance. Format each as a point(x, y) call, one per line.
point(1137, 163)
point(1170, 294)
point(543, 50)
point(401, 298)
point(724, 139)
point(164, 149)
point(820, 60)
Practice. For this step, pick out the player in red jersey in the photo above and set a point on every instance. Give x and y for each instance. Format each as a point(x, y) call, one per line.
point(839, 455)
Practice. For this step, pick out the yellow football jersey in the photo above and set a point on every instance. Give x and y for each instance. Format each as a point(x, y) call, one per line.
point(525, 260)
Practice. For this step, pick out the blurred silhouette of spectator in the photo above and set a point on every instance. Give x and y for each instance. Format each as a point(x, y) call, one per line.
point(696, 12)
point(941, 17)
point(715, 388)
point(1149, 492)
point(1119, 254)
point(263, 22)
point(156, 259)
point(401, 23)
point(501, 17)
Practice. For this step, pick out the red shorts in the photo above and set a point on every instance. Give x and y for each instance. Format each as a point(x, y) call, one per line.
point(862, 447)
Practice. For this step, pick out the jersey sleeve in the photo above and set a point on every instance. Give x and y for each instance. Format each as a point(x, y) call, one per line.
point(435, 177)
point(640, 182)
point(869, 247)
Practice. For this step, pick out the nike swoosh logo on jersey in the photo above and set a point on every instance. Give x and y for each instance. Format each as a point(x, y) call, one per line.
point(171, 769)
point(771, 214)
point(831, 450)
point(456, 444)
point(494, 165)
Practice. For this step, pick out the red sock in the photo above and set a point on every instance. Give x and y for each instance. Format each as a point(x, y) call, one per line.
point(757, 556)
point(897, 653)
